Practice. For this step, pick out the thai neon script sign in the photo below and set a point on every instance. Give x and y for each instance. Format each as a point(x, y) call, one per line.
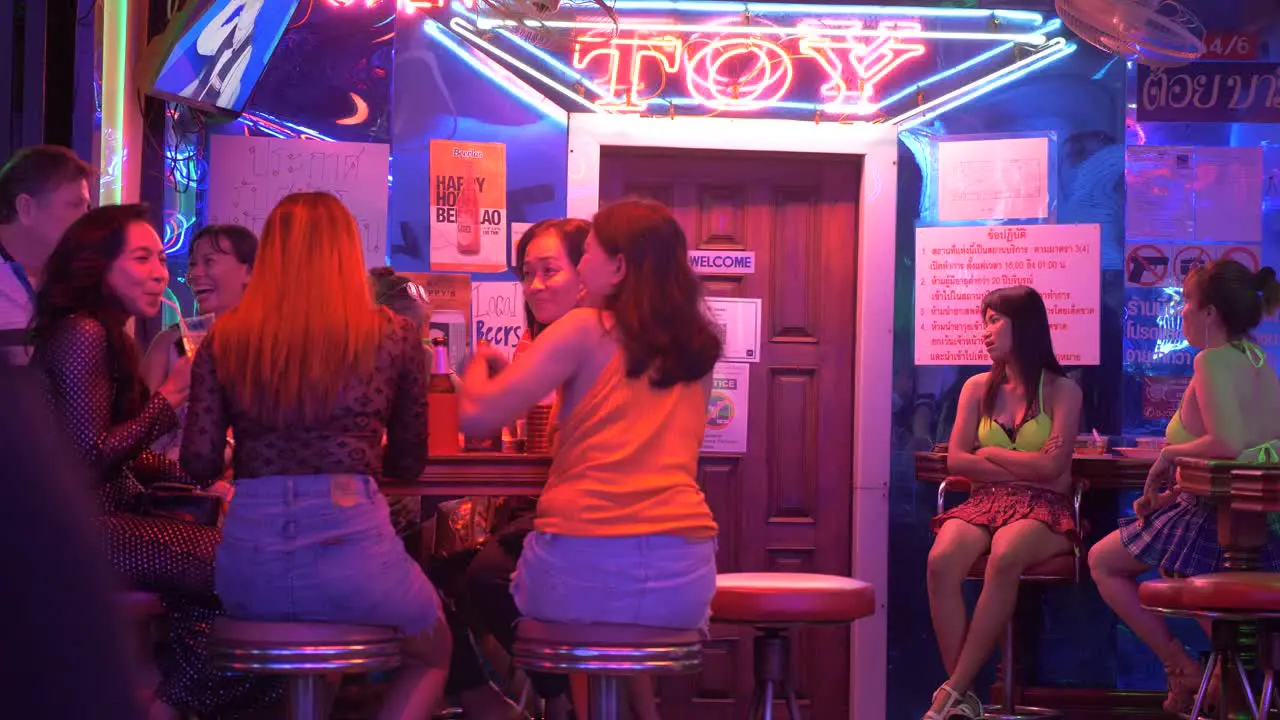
point(836, 64)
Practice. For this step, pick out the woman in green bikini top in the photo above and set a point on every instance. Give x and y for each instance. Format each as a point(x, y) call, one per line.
point(1231, 409)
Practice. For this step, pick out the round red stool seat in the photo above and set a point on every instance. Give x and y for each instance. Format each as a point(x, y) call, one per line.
point(1231, 591)
point(781, 598)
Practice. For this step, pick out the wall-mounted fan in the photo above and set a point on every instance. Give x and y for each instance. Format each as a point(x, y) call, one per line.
point(1158, 33)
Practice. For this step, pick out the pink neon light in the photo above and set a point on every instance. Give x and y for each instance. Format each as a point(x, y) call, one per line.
point(869, 59)
point(405, 7)
point(757, 74)
point(628, 55)
point(731, 68)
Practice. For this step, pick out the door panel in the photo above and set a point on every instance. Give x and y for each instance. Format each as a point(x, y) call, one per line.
point(785, 505)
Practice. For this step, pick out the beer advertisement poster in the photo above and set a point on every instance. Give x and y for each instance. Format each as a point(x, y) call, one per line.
point(468, 206)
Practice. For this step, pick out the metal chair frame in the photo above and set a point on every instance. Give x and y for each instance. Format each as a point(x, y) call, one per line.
point(1009, 709)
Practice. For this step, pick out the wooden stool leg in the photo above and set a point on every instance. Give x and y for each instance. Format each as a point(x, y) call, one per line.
point(603, 695)
point(306, 697)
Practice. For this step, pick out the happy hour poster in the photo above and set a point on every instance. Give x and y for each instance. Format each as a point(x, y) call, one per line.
point(468, 206)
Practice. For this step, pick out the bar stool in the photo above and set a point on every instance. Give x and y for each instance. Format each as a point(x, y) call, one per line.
point(1227, 600)
point(773, 603)
point(305, 652)
point(1063, 569)
point(606, 653)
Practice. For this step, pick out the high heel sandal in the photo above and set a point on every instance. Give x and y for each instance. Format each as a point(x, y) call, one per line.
point(957, 705)
point(1184, 686)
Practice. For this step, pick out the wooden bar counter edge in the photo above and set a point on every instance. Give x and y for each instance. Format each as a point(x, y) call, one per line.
point(476, 473)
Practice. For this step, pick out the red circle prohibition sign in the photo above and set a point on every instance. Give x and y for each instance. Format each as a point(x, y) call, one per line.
point(1193, 252)
point(1243, 255)
point(1139, 255)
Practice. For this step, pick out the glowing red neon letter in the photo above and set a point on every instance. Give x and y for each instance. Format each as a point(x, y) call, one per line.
point(739, 73)
point(628, 55)
point(870, 58)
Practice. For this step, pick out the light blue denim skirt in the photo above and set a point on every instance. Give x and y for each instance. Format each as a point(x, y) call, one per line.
point(319, 548)
point(652, 580)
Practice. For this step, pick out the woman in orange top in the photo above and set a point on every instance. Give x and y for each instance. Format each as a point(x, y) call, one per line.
point(623, 534)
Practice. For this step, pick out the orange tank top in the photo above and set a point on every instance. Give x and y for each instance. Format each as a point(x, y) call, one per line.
point(626, 462)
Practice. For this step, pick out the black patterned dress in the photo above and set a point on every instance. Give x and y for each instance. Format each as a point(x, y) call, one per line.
point(171, 558)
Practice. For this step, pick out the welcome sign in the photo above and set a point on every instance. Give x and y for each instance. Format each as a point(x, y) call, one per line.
point(722, 262)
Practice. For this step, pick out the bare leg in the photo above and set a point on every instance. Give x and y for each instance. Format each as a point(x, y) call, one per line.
point(1116, 572)
point(1014, 548)
point(640, 695)
point(418, 686)
point(954, 551)
point(578, 690)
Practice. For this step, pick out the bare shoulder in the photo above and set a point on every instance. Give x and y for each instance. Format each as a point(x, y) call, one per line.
point(1064, 388)
point(974, 385)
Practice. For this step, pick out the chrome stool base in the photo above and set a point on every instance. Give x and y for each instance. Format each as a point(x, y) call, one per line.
point(1019, 712)
point(305, 653)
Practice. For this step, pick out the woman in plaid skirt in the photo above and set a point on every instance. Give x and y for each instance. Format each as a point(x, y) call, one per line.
point(1008, 441)
point(1231, 409)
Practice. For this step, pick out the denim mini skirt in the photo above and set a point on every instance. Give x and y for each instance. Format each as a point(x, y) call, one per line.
point(319, 548)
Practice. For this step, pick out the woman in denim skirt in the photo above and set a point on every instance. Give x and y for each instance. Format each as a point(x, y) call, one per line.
point(310, 376)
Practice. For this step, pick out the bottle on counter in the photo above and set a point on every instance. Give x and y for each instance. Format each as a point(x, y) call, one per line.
point(442, 404)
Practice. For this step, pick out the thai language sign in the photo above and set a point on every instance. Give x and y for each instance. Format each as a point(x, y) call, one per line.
point(957, 266)
point(1227, 92)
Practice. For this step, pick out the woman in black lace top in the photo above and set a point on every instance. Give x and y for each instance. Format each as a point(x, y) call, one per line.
point(109, 266)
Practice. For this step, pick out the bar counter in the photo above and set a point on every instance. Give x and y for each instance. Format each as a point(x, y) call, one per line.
point(1102, 472)
point(476, 473)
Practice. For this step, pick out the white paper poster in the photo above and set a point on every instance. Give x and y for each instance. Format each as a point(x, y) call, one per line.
point(1159, 197)
point(1229, 183)
point(957, 266)
point(497, 311)
point(727, 409)
point(249, 175)
point(517, 231)
point(739, 321)
point(993, 179)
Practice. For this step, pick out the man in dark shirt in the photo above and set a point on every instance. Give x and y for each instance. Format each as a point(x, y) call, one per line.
point(43, 189)
point(66, 646)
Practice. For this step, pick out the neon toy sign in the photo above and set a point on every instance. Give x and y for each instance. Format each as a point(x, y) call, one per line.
point(680, 57)
point(738, 70)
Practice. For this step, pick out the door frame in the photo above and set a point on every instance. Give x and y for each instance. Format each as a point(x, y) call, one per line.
point(873, 350)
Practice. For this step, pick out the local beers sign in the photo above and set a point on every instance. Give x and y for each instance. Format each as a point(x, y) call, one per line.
point(722, 262)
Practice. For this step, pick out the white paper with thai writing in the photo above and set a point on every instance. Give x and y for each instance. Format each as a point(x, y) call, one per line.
point(249, 175)
point(957, 266)
point(993, 179)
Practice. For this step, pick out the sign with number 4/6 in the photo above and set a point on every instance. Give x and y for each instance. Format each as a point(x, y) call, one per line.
point(1229, 46)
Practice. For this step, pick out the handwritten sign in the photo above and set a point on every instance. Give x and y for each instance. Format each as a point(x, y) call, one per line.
point(727, 409)
point(468, 206)
point(1006, 179)
point(957, 266)
point(1226, 92)
point(497, 309)
point(722, 262)
point(249, 175)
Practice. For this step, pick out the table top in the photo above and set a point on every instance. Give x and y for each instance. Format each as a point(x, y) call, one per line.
point(477, 473)
point(1249, 487)
point(1102, 472)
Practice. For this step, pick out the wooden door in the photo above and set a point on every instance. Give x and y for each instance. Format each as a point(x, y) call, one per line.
point(786, 504)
